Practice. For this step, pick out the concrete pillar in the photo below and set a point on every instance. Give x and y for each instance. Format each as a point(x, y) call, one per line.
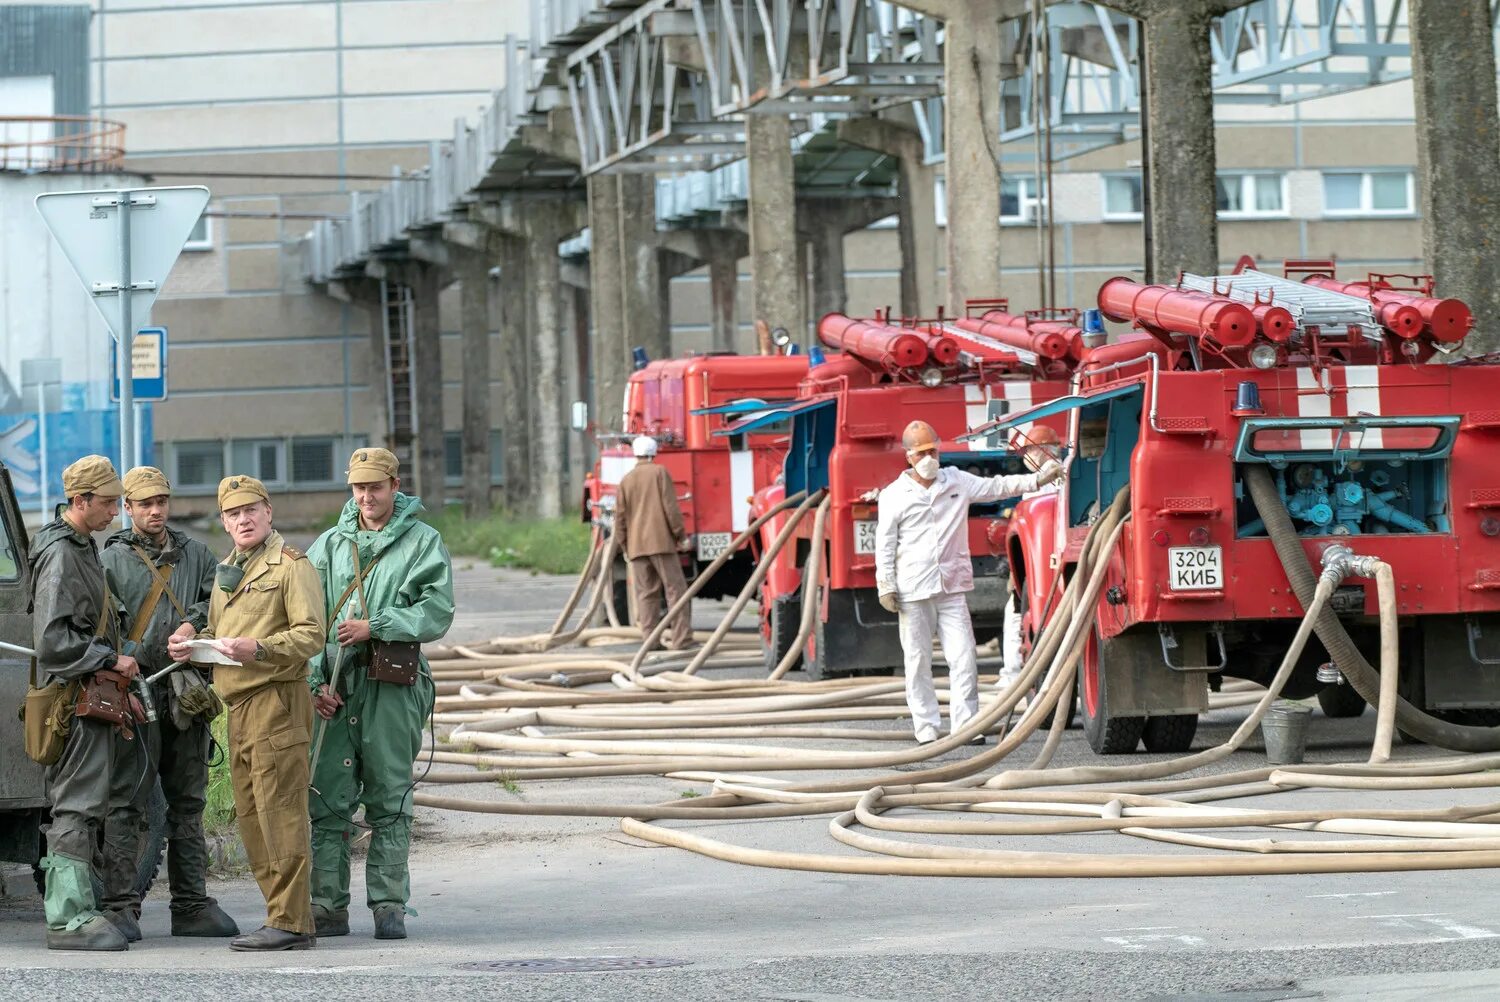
point(378, 425)
point(474, 313)
point(723, 286)
point(427, 368)
point(827, 239)
point(777, 287)
point(611, 356)
point(515, 374)
point(545, 224)
point(916, 208)
point(646, 311)
point(1180, 128)
point(1458, 154)
point(971, 129)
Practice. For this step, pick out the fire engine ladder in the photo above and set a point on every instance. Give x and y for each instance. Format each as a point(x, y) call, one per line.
point(396, 323)
point(1308, 305)
point(990, 349)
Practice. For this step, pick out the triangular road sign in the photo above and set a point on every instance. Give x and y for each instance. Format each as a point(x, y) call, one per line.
point(86, 224)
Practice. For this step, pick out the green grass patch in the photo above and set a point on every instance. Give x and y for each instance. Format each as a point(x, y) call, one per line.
point(218, 812)
point(548, 546)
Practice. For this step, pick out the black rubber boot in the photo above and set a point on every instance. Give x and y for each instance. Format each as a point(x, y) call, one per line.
point(331, 922)
point(125, 921)
point(194, 913)
point(390, 922)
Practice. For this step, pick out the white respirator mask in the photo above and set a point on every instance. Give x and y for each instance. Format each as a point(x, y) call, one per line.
point(927, 467)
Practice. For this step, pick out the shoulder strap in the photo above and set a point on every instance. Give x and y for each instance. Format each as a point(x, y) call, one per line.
point(148, 607)
point(161, 579)
point(358, 582)
point(106, 613)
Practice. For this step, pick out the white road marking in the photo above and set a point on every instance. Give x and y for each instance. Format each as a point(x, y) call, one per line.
point(1355, 894)
point(1433, 922)
point(1154, 939)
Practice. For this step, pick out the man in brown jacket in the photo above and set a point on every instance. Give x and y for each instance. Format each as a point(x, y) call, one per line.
point(267, 616)
point(648, 528)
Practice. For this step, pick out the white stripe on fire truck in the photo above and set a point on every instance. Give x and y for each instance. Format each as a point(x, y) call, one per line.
point(1313, 401)
point(612, 469)
point(976, 410)
point(741, 486)
point(1363, 382)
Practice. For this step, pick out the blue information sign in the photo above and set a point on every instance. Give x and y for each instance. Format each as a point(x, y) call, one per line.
point(148, 366)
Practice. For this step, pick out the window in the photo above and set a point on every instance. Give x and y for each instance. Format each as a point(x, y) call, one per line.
point(201, 238)
point(1247, 196)
point(260, 458)
point(10, 562)
point(453, 458)
point(1367, 193)
point(199, 464)
point(1019, 197)
point(313, 461)
point(1122, 196)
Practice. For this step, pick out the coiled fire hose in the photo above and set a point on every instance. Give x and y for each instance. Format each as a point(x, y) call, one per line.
point(656, 721)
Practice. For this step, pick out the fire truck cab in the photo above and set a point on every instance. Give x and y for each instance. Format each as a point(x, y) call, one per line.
point(682, 403)
point(1362, 436)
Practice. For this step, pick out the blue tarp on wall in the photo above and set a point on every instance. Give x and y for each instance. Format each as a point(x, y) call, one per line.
point(70, 434)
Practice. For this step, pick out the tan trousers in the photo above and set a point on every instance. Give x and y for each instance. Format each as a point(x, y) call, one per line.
point(648, 576)
point(270, 732)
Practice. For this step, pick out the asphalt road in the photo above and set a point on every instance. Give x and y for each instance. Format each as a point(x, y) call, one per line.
point(499, 897)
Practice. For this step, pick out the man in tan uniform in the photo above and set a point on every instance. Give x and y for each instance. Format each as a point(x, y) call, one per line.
point(266, 612)
point(648, 528)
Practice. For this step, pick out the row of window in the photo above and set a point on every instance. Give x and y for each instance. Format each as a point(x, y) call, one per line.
point(310, 463)
point(1239, 195)
point(1263, 194)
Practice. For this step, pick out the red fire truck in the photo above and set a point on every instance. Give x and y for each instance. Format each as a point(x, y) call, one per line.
point(845, 432)
point(682, 403)
point(1325, 386)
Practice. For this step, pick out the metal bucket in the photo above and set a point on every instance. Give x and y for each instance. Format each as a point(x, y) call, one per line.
point(1284, 728)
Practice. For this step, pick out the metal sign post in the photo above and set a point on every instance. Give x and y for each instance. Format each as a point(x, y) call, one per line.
point(122, 253)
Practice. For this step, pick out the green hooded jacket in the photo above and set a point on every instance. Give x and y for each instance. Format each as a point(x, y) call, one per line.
point(410, 590)
point(67, 594)
point(192, 582)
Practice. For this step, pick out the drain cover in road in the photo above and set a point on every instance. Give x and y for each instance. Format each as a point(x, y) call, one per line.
point(572, 965)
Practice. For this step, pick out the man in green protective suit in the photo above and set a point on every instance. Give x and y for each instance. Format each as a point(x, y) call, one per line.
point(75, 631)
point(388, 581)
point(163, 579)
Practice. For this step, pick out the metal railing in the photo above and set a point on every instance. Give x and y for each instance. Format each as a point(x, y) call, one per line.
point(61, 143)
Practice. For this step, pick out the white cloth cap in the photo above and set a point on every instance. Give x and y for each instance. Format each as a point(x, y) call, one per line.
point(643, 446)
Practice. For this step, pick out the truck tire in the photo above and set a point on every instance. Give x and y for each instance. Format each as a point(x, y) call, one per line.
point(153, 845)
point(1107, 733)
point(619, 597)
point(780, 619)
point(1171, 733)
point(1341, 700)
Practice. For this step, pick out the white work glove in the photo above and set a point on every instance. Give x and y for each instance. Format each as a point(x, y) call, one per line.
point(890, 602)
point(1050, 471)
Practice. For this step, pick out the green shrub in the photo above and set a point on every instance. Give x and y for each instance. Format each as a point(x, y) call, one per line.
point(550, 546)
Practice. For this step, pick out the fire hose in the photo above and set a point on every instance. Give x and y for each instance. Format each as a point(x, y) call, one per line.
point(661, 731)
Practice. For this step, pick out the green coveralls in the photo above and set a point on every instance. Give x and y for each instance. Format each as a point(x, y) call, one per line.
point(375, 737)
point(179, 757)
point(67, 604)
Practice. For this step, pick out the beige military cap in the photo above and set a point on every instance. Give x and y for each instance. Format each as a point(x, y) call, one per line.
point(368, 466)
point(237, 490)
point(92, 475)
point(146, 482)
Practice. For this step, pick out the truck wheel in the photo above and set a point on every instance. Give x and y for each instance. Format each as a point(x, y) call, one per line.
point(779, 619)
point(811, 663)
point(619, 597)
point(1170, 734)
point(153, 845)
point(1341, 701)
point(1107, 733)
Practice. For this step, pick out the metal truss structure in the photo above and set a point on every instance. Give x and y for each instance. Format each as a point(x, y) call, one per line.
point(665, 86)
